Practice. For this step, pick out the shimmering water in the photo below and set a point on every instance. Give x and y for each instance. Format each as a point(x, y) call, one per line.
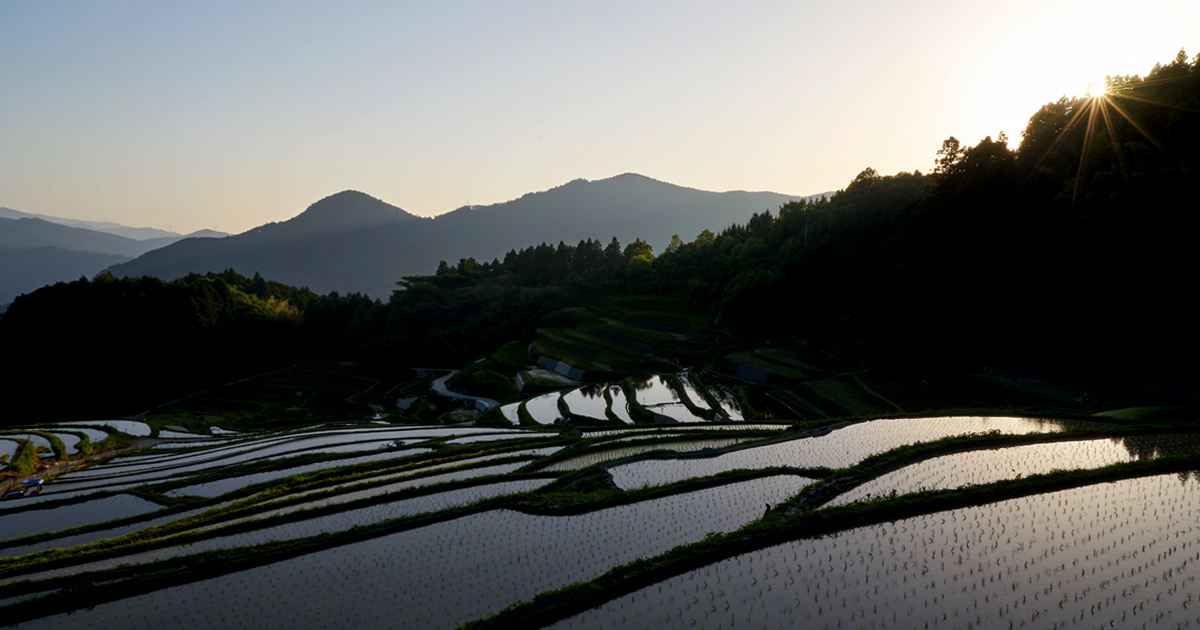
point(441, 575)
point(839, 449)
point(1113, 555)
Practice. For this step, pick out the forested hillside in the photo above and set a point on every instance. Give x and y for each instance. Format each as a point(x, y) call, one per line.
point(1071, 250)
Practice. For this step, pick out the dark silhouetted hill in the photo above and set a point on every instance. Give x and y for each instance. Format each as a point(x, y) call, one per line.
point(353, 242)
point(135, 233)
point(35, 252)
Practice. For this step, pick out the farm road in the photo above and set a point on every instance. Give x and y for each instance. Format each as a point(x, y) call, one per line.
point(439, 386)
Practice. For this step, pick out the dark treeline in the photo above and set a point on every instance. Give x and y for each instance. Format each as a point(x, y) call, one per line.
point(1077, 247)
point(118, 346)
point(1073, 249)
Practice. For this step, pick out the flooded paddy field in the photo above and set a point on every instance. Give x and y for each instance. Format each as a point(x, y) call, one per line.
point(22, 523)
point(382, 526)
point(441, 575)
point(1121, 554)
point(655, 393)
point(839, 449)
point(987, 466)
point(591, 459)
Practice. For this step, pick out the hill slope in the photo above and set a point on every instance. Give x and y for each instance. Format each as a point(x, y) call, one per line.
point(353, 242)
point(37, 250)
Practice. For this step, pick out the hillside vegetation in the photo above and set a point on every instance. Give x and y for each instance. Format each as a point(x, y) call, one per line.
point(1066, 255)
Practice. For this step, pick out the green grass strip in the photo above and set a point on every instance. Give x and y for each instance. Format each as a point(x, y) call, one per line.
point(777, 528)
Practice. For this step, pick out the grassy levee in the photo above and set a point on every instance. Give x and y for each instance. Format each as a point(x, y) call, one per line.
point(777, 528)
point(677, 385)
point(592, 489)
point(702, 387)
point(637, 411)
point(571, 493)
point(151, 538)
point(183, 532)
point(84, 445)
point(847, 479)
point(525, 418)
point(578, 418)
point(580, 450)
point(345, 474)
point(25, 460)
point(97, 587)
point(92, 527)
point(56, 444)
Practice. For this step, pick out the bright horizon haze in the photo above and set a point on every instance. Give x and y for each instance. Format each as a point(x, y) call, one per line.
point(228, 115)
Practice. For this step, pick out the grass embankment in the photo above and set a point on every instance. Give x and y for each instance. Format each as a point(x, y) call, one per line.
point(777, 528)
point(571, 493)
point(584, 449)
point(267, 496)
point(97, 587)
point(25, 460)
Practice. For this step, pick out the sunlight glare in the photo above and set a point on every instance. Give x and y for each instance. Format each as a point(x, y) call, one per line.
point(1067, 51)
point(1096, 87)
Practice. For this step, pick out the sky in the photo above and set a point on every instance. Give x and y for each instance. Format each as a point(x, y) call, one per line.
point(226, 115)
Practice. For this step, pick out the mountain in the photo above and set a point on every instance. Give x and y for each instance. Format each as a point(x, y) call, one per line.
point(353, 242)
point(135, 233)
point(35, 251)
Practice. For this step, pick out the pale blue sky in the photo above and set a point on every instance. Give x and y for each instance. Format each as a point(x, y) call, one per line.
point(231, 114)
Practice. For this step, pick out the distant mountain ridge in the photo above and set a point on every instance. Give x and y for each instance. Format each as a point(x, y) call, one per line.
point(36, 250)
point(352, 242)
point(135, 233)
point(340, 212)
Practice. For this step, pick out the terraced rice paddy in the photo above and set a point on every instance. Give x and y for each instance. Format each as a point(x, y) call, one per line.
point(1115, 555)
point(840, 449)
point(620, 406)
point(222, 486)
point(443, 574)
point(316, 526)
point(42, 444)
point(544, 408)
point(64, 542)
point(319, 527)
point(642, 432)
point(729, 402)
point(378, 491)
point(8, 448)
point(591, 459)
point(988, 466)
point(17, 524)
point(94, 436)
point(70, 442)
point(656, 395)
point(587, 401)
point(128, 427)
point(512, 412)
point(179, 435)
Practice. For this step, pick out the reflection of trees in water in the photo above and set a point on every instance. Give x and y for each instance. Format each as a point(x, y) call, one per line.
point(595, 390)
point(642, 382)
point(1152, 446)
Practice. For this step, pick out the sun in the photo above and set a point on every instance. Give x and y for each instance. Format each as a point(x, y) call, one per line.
point(1097, 88)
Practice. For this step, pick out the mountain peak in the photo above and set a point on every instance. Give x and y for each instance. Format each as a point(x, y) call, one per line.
point(352, 208)
point(340, 212)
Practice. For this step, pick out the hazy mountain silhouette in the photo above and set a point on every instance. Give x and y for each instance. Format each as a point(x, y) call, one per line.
point(353, 242)
point(135, 233)
point(24, 270)
point(36, 251)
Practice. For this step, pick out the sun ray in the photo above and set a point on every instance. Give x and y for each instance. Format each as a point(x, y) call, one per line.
point(1141, 129)
point(1076, 114)
point(1143, 99)
point(1112, 134)
point(1087, 145)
